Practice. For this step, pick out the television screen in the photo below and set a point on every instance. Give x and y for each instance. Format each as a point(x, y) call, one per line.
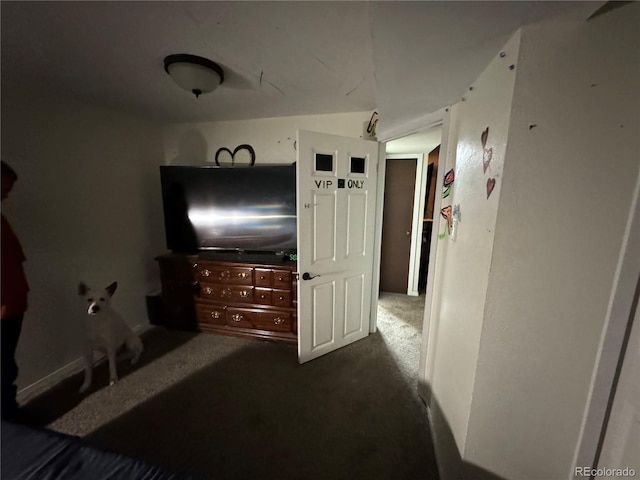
point(226, 208)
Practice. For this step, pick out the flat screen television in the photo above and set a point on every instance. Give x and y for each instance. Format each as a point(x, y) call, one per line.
point(244, 209)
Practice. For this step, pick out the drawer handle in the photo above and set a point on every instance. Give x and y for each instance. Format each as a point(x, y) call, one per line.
point(207, 290)
point(262, 277)
point(243, 274)
point(225, 293)
point(280, 297)
point(263, 296)
point(225, 274)
point(280, 279)
point(236, 317)
point(205, 272)
point(215, 314)
point(278, 320)
point(244, 293)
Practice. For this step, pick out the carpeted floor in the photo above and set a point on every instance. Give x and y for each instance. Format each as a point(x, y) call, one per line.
point(229, 408)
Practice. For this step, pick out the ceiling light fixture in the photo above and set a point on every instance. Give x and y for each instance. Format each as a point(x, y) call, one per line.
point(195, 74)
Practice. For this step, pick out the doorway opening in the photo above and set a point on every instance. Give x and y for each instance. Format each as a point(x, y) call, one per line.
point(410, 170)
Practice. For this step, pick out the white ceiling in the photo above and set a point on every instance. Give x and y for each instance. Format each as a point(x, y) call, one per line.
point(405, 59)
point(419, 142)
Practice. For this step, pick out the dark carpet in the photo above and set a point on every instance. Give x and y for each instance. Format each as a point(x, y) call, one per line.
point(227, 408)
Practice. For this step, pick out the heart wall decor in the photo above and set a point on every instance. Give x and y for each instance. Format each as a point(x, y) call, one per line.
point(449, 178)
point(446, 213)
point(487, 155)
point(246, 155)
point(484, 136)
point(487, 152)
point(491, 184)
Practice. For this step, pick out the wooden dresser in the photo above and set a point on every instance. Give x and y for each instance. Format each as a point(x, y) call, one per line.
point(233, 298)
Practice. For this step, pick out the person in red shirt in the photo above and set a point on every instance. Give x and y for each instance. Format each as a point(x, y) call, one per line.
point(14, 302)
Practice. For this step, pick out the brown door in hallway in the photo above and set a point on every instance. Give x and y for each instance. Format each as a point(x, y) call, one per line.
point(397, 219)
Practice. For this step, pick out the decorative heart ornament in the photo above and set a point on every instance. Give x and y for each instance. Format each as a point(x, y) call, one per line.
point(246, 155)
point(487, 155)
point(449, 177)
point(446, 213)
point(484, 136)
point(491, 184)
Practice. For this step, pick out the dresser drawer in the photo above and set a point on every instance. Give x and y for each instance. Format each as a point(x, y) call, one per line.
point(259, 320)
point(268, 296)
point(281, 279)
point(263, 296)
point(281, 298)
point(212, 314)
point(226, 293)
point(262, 277)
point(266, 277)
point(227, 275)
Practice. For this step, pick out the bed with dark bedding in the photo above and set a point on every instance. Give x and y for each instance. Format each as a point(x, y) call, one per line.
point(41, 454)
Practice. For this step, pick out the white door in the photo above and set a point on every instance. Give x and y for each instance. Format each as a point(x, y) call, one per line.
point(336, 196)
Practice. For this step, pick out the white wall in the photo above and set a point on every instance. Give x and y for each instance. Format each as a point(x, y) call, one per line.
point(271, 138)
point(462, 270)
point(87, 206)
point(565, 202)
point(565, 196)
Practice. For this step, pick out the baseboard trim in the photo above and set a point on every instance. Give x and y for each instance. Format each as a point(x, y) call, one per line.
point(434, 441)
point(39, 386)
point(77, 365)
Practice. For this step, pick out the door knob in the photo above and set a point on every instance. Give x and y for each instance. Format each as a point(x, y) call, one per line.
point(307, 276)
point(408, 232)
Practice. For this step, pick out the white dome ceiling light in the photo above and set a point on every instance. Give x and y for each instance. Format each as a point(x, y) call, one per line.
point(195, 74)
